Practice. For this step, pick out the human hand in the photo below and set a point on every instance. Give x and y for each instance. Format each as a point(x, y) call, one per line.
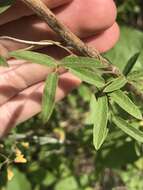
point(22, 84)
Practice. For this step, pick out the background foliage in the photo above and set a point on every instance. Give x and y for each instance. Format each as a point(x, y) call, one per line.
point(60, 155)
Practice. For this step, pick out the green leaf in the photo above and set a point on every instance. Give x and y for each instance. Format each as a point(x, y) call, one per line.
point(84, 92)
point(92, 111)
point(115, 84)
point(135, 75)
point(131, 42)
point(3, 62)
point(132, 61)
point(49, 179)
point(18, 182)
point(5, 4)
point(128, 129)
point(34, 57)
point(126, 103)
point(67, 183)
point(81, 62)
point(48, 101)
point(100, 129)
point(88, 76)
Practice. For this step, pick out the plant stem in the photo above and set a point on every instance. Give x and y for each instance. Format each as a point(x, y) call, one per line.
point(41, 9)
point(72, 40)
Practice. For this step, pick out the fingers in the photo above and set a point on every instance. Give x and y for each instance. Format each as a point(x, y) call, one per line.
point(90, 17)
point(17, 110)
point(20, 77)
point(19, 9)
point(82, 23)
point(22, 74)
point(105, 40)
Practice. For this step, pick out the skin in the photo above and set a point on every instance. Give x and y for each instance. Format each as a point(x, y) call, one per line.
point(22, 83)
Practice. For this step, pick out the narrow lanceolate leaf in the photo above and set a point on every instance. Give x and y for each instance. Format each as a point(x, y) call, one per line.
point(48, 101)
point(131, 63)
point(88, 76)
point(80, 62)
point(126, 103)
point(92, 111)
point(135, 76)
point(3, 62)
point(34, 57)
point(100, 129)
point(128, 129)
point(115, 84)
point(5, 4)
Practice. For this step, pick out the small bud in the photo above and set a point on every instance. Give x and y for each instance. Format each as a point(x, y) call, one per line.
point(25, 144)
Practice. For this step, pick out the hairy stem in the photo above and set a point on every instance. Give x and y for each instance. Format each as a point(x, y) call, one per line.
point(72, 40)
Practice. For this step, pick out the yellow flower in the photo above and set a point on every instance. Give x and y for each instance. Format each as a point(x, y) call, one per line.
point(60, 134)
point(141, 123)
point(17, 152)
point(10, 174)
point(19, 157)
point(25, 144)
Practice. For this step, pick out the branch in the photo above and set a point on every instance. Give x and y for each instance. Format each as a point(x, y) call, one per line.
point(72, 40)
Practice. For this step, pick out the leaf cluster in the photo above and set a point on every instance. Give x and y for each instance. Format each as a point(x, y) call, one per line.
point(109, 91)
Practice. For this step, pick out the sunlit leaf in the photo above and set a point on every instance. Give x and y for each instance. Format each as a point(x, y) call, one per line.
point(100, 122)
point(128, 129)
point(84, 92)
point(115, 84)
point(126, 103)
point(88, 76)
point(80, 62)
point(92, 111)
point(19, 181)
point(48, 101)
point(67, 183)
point(34, 57)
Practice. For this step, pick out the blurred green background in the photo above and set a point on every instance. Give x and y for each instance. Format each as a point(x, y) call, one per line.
point(60, 155)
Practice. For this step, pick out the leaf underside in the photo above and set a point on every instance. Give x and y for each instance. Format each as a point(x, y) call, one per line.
point(100, 129)
point(126, 103)
point(34, 57)
point(48, 100)
point(128, 129)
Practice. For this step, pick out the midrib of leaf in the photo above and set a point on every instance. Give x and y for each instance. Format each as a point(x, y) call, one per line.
point(128, 129)
point(48, 100)
point(88, 76)
point(81, 62)
point(115, 84)
point(126, 103)
point(100, 123)
point(34, 57)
